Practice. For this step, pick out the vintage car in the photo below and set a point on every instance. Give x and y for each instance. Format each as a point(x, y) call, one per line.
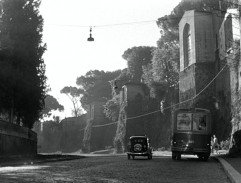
point(139, 146)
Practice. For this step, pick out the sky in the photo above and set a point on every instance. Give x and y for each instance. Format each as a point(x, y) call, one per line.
point(116, 26)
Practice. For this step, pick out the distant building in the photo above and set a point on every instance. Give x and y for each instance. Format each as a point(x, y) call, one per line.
point(134, 103)
point(98, 135)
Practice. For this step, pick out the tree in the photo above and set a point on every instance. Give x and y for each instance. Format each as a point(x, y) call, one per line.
point(118, 82)
point(136, 58)
point(96, 86)
point(162, 75)
point(74, 95)
point(51, 103)
point(23, 81)
point(112, 108)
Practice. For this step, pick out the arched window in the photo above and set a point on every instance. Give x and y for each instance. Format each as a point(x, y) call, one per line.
point(187, 45)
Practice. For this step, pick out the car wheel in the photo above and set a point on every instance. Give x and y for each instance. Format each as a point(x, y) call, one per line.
point(128, 156)
point(133, 157)
point(205, 158)
point(178, 156)
point(174, 157)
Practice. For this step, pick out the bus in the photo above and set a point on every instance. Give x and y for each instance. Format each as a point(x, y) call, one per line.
point(191, 133)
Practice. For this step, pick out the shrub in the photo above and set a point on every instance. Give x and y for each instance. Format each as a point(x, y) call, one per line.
point(235, 151)
point(224, 145)
point(237, 139)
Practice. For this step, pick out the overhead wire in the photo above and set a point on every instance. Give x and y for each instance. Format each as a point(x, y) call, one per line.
point(144, 21)
point(125, 23)
point(103, 25)
point(171, 106)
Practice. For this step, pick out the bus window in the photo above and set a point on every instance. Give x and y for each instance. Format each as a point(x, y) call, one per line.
point(199, 122)
point(184, 121)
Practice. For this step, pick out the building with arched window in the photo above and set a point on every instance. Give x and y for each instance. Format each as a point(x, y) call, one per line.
point(207, 44)
point(197, 52)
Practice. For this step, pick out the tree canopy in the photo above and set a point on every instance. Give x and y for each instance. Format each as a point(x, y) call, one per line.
point(51, 104)
point(74, 95)
point(136, 58)
point(96, 85)
point(163, 72)
point(23, 80)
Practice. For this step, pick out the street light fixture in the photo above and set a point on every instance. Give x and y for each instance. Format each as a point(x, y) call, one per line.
point(90, 38)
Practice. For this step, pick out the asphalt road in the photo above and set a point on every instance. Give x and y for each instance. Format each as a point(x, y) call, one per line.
point(117, 169)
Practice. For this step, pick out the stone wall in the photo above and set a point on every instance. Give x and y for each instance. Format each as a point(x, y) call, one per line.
point(187, 86)
point(137, 117)
point(49, 137)
point(102, 135)
point(98, 135)
point(193, 85)
point(16, 140)
point(66, 136)
point(72, 133)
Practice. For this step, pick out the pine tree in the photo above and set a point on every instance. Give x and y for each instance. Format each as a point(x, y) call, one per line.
point(22, 71)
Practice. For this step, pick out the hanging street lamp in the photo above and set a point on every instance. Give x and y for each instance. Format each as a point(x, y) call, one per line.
point(90, 38)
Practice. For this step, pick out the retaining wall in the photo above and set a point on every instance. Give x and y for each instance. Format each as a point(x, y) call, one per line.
point(16, 140)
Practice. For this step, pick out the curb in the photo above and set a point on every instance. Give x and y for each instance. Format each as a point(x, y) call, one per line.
point(233, 175)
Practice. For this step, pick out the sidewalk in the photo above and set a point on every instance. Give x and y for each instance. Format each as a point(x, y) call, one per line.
point(30, 160)
point(231, 166)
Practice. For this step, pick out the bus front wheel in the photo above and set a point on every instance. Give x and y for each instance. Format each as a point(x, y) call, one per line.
point(203, 157)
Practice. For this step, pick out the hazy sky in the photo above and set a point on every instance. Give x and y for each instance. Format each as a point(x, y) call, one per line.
point(116, 26)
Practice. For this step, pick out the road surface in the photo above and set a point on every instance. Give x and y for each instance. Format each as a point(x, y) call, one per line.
point(117, 169)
